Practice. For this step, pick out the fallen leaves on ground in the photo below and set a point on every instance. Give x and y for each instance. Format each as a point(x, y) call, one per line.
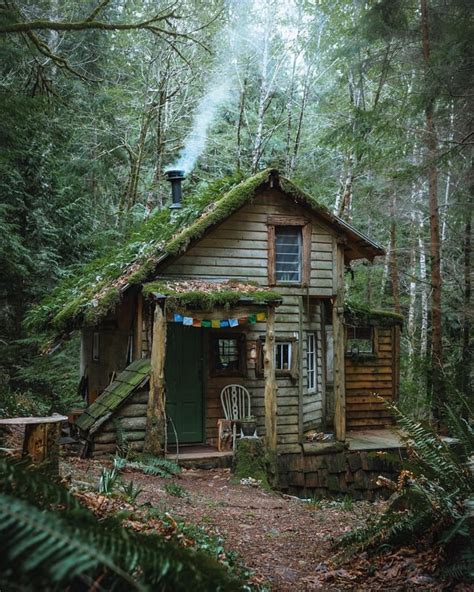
point(285, 543)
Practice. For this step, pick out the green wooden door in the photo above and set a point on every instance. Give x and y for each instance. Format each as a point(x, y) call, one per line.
point(183, 375)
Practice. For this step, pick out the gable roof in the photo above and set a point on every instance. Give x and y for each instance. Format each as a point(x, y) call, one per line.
point(86, 298)
point(127, 382)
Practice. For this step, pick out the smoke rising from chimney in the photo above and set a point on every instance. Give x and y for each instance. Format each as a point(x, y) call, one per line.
point(222, 84)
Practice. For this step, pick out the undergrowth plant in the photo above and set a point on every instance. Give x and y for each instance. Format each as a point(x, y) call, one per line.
point(434, 497)
point(50, 541)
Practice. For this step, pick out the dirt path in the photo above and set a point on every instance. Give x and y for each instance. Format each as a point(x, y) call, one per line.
point(284, 542)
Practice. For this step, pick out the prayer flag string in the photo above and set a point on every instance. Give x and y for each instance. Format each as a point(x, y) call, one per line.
point(219, 323)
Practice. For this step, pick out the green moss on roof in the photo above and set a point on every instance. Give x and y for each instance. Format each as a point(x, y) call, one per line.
point(364, 314)
point(135, 375)
point(91, 290)
point(206, 296)
point(88, 293)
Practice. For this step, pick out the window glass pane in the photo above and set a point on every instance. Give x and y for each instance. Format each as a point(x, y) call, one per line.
point(227, 354)
point(311, 362)
point(359, 340)
point(288, 253)
point(329, 355)
point(283, 356)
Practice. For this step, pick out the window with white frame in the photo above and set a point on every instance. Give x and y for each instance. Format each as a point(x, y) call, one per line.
point(283, 352)
point(311, 362)
point(288, 244)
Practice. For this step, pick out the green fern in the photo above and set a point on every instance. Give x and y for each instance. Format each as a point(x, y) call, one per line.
point(55, 546)
point(435, 498)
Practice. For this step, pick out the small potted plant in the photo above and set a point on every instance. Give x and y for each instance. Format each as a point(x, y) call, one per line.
point(248, 426)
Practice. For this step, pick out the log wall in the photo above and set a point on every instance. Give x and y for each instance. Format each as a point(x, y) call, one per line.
point(371, 376)
point(132, 419)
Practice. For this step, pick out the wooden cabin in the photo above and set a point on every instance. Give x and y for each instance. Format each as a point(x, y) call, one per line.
point(248, 291)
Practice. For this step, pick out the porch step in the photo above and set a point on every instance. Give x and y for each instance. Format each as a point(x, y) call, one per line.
point(202, 458)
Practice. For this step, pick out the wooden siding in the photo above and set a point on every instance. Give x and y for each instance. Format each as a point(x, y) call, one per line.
point(238, 248)
point(364, 378)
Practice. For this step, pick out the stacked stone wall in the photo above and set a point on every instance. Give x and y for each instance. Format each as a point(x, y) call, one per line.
point(335, 472)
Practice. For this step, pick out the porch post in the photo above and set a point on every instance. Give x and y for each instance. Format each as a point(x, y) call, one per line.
point(155, 413)
point(270, 382)
point(339, 349)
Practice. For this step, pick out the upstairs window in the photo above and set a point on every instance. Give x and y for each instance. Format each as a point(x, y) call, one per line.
point(288, 243)
point(289, 250)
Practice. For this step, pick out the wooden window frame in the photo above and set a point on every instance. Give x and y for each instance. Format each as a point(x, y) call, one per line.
point(241, 343)
point(314, 388)
point(292, 372)
point(373, 353)
point(305, 225)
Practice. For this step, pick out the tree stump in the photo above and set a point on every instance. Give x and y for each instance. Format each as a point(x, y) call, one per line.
point(250, 461)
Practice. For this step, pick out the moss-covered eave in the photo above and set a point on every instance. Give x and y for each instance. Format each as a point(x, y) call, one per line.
point(365, 315)
point(225, 295)
point(223, 208)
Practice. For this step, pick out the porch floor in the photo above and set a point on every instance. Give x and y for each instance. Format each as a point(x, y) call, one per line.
point(385, 439)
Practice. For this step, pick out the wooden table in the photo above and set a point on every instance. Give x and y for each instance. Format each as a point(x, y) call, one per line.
point(41, 440)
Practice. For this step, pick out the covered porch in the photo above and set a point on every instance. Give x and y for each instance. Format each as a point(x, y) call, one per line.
point(202, 341)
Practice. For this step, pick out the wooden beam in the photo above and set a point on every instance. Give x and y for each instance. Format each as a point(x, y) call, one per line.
point(271, 388)
point(339, 347)
point(155, 415)
point(137, 335)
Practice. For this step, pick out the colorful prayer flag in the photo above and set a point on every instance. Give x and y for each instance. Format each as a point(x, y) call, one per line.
point(188, 321)
point(205, 323)
point(252, 319)
point(224, 323)
point(178, 318)
point(243, 320)
point(196, 322)
point(261, 316)
point(233, 322)
point(215, 324)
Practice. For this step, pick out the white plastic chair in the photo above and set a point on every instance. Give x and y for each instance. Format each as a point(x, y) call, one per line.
point(235, 400)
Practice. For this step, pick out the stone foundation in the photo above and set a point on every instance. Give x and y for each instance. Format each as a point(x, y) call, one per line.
point(332, 470)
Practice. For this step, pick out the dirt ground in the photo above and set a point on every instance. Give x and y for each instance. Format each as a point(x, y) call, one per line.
point(284, 542)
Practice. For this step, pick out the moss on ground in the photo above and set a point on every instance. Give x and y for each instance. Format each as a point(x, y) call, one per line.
point(250, 461)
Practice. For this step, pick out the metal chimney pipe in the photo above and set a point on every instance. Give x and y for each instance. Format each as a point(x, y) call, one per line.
point(175, 177)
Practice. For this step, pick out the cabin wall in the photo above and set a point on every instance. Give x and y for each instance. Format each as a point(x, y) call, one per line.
point(131, 418)
point(238, 249)
point(367, 377)
point(114, 341)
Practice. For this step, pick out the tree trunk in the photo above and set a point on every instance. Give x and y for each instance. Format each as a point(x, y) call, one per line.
point(466, 349)
point(155, 415)
point(240, 123)
point(436, 363)
point(393, 256)
point(270, 395)
point(424, 295)
point(412, 309)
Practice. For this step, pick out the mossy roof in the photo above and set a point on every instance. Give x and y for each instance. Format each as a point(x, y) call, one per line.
point(359, 314)
point(206, 295)
point(115, 395)
point(86, 297)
